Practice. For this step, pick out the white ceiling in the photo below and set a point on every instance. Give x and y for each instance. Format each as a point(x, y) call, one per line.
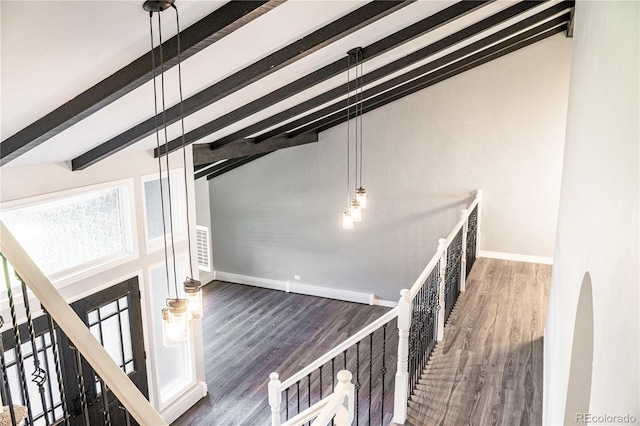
point(53, 50)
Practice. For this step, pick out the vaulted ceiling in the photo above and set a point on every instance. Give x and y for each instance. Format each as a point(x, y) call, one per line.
point(257, 76)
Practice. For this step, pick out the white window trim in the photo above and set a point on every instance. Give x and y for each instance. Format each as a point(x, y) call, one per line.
point(179, 215)
point(127, 197)
point(189, 377)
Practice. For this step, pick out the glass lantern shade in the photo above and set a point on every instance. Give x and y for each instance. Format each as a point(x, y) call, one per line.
point(347, 220)
point(356, 211)
point(175, 323)
point(193, 292)
point(361, 196)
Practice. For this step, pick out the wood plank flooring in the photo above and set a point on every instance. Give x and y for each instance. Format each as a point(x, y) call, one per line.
point(250, 332)
point(488, 368)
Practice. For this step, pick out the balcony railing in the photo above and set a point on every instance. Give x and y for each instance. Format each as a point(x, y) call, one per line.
point(409, 332)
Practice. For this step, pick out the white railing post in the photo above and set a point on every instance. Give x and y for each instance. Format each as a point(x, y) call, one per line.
point(441, 288)
point(463, 260)
point(401, 396)
point(275, 398)
point(479, 197)
point(344, 415)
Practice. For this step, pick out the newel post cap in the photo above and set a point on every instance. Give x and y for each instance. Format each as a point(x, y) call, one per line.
point(344, 376)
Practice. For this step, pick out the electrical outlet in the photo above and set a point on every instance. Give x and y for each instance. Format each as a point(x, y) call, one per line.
point(297, 277)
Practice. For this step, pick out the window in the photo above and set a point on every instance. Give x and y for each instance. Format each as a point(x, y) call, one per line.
point(158, 218)
point(69, 233)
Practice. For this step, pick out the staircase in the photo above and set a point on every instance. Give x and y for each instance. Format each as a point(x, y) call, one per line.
point(488, 368)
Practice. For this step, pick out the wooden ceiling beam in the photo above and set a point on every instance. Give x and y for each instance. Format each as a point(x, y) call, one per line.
point(392, 41)
point(390, 84)
point(231, 165)
point(422, 83)
point(203, 154)
point(223, 21)
point(313, 42)
point(435, 77)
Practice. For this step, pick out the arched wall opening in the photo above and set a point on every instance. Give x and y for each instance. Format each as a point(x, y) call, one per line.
point(579, 388)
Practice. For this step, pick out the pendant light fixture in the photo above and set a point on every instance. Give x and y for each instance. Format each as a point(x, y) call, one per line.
point(361, 193)
point(353, 213)
point(178, 310)
point(347, 214)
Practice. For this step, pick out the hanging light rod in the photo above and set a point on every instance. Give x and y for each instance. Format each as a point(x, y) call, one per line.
point(157, 5)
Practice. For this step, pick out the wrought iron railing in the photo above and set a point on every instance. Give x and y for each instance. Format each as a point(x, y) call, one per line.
point(38, 385)
point(420, 318)
point(424, 309)
point(369, 355)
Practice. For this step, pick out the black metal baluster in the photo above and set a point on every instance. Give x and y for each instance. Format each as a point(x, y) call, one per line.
point(383, 370)
point(127, 416)
point(370, 373)
point(18, 349)
point(298, 387)
point(56, 360)
point(321, 382)
point(106, 416)
point(309, 389)
point(84, 409)
point(5, 377)
point(344, 356)
point(45, 355)
point(286, 410)
point(357, 383)
point(333, 378)
point(39, 375)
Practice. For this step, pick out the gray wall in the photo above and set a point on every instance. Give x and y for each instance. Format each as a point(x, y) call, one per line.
point(499, 128)
point(598, 224)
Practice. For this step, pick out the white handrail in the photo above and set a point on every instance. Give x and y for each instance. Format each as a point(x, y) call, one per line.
point(308, 414)
point(438, 254)
point(340, 348)
point(77, 332)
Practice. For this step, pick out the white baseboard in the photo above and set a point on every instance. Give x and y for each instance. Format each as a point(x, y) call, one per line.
point(387, 303)
point(184, 402)
point(516, 257)
point(301, 288)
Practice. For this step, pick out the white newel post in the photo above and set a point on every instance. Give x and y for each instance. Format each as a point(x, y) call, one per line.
point(275, 398)
point(402, 373)
point(479, 197)
point(463, 261)
point(344, 415)
point(441, 288)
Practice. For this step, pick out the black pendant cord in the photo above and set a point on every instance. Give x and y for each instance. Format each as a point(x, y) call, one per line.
point(356, 124)
point(155, 107)
point(18, 349)
point(184, 149)
point(39, 374)
point(360, 62)
point(348, 129)
point(166, 139)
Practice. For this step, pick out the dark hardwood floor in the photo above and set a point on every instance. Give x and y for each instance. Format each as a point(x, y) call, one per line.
point(486, 371)
point(250, 332)
point(488, 368)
